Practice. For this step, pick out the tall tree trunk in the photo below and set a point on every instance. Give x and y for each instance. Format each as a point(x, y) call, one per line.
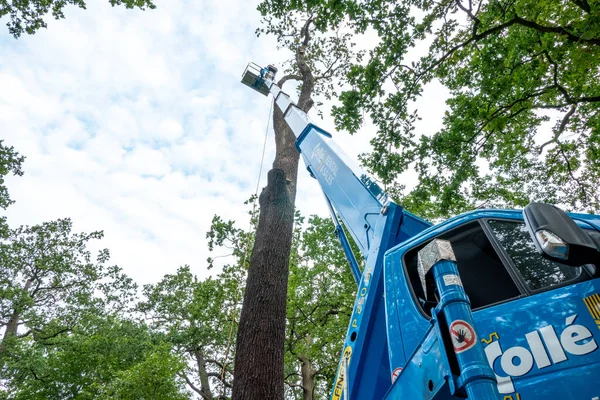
point(308, 378)
point(258, 367)
point(13, 322)
point(258, 371)
point(203, 374)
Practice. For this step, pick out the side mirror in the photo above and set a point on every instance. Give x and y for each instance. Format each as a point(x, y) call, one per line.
point(557, 237)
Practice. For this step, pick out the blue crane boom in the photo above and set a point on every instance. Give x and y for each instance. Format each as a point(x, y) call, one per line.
point(427, 292)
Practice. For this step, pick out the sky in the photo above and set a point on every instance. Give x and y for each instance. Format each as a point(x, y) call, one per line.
point(136, 123)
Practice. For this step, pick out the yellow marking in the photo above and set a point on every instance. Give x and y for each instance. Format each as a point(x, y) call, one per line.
point(593, 305)
point(589, 307)
point(490, 340)
point(597, 303)
point(338, 388)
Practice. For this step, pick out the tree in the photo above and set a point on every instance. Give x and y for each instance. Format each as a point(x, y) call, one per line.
point(103, 357)
point(259, 362)
point(523, 114)
point(10, 163)
point(319, 304)
point(49, 282)
point(320, 300)
point(64, 331)
point(198, 316)
point(28, 16)
point(194, 316)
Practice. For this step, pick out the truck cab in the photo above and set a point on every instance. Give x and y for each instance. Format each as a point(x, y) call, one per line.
point(538, 320)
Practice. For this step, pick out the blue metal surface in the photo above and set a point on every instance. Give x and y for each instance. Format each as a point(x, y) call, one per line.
point(539, 331)
point(357, 206)
point(512, 329)
point(339, 231)
point(427, 363)
point(475, 375)
point(366, 339)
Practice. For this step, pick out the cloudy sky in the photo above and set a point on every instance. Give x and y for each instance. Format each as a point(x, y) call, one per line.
point(135, 123)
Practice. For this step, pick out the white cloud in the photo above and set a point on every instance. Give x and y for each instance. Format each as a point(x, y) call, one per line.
point(135, 122)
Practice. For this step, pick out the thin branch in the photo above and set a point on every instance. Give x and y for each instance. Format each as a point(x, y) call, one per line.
point(583, 4)
point(219, 364)
point(294, 385)
point(560, 129)
point(218, 376)
point(290, 375)
point(572, 175)
point(193, 387)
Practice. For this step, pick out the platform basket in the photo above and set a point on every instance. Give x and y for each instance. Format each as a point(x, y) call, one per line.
point(251, 76)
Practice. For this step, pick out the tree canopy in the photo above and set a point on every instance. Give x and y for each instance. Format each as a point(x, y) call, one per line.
point(523, 121)
point(28, 16)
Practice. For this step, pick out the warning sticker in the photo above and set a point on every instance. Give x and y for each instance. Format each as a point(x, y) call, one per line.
point(338, 388)
point(452, 280)
point(463, 336)
point(396, 373)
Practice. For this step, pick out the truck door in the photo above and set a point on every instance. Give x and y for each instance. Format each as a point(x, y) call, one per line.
point(535, 318)
point(544, 345)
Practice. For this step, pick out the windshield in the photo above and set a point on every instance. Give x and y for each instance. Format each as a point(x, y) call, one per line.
point(537, 272)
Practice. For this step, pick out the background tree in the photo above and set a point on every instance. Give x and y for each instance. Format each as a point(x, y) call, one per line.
point(10, 163)
point(523, 120)
point(103, 357)
point(194, 316)
point(320, 299)
point(28, 16)
point(259, 362)
point(49, 281)
point(66, 326)
point(198, 316)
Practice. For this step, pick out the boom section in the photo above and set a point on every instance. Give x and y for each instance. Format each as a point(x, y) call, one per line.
point(358, 201)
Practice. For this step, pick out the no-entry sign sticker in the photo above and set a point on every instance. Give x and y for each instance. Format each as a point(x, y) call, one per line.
point(463, 336)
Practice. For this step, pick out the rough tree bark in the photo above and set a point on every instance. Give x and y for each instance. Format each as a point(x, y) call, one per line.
point(258, 372)
point(259, 361)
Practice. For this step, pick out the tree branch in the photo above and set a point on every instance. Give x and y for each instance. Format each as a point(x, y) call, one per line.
point(560, 129)
point(218, 376)
point(193, 387)
point(555, 29)
point(583, 4)
point(220, 365)
point(288, 77)
point(572, 175)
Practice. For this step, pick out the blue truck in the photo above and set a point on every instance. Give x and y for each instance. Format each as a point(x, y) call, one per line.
point(491, 304)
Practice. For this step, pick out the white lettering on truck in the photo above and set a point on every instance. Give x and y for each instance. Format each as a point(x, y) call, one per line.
point(572, 340)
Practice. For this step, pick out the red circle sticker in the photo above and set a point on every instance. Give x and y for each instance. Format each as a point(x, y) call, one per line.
point(396, 373)
point(463, 336)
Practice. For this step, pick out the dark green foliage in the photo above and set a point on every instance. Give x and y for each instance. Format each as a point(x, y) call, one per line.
point(523, 118)
point(101, 358)
point(10, 163)
point(65, 323)
point(320, 299)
